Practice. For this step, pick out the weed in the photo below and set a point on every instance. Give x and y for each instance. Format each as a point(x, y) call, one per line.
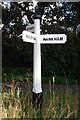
point(17, 103)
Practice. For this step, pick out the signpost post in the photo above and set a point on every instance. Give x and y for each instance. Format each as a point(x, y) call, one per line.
point(37, 89)
point(38, 39)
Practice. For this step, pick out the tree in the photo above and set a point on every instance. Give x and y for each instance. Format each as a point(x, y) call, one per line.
point(57, 17)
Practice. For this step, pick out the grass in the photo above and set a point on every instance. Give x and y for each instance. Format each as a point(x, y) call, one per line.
point(16, 74)
point(17, 103)
point(22, 73)
point(59, 80)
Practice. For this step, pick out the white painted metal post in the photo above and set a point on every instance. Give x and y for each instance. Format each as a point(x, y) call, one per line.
point(37, 59)
point(37, 89)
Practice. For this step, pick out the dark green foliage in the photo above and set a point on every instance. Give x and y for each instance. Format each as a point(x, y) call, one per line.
point(62, 60)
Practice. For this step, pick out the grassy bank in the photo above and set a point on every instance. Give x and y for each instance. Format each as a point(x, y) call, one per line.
point(17, 103)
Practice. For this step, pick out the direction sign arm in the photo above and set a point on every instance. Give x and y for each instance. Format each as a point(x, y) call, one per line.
point(28, 37)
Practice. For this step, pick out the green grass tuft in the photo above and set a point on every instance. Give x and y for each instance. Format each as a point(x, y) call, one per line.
point(17, 103)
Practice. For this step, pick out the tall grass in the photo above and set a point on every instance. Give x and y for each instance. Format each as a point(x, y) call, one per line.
point(17, 103)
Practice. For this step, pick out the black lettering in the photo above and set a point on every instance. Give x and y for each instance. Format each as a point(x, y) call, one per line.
point(56, 38)
point(30, 37)
point(61, 38)
point(47, 39)
point(50, 39)
point(44, 39)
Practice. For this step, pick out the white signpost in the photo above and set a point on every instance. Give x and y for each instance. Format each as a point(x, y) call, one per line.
point(38, 39)
point(30, 28)
point(28, 37)
point(53, 38)
point(44, 39)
